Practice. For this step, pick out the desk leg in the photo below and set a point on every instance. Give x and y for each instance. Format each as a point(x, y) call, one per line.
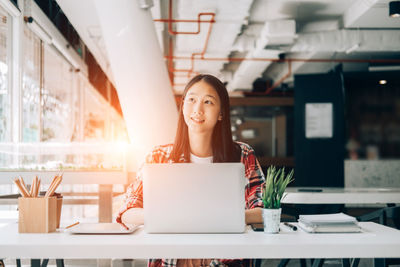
point(59, 262)
point(35, 262)
point(105, 203)
point(318, 262)
point(379, 262)
point(346, 263)
point(105, 214)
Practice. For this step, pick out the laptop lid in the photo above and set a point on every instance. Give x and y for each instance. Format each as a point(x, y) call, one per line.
point(194, 198)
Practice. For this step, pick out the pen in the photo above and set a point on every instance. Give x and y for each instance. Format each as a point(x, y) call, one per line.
point(291, 226)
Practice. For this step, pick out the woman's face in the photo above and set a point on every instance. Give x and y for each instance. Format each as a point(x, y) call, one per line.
point(201, 108)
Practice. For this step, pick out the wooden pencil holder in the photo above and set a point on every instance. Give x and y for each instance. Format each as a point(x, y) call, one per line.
point(37, 215)
point(59, 206)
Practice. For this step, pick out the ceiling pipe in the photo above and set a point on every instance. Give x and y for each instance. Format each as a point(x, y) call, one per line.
point(315, 60)
point(170, 56)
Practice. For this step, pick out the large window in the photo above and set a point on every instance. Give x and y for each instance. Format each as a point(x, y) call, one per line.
point(58, 118)
point(5, 107)
point(31, 87)
point(96, 111)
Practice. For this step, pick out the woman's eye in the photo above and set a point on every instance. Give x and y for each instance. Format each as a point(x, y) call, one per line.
point(208, 102)
point(190, 99)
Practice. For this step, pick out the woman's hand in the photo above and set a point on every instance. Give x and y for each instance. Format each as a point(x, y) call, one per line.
point(253, 216)
point(133, 216)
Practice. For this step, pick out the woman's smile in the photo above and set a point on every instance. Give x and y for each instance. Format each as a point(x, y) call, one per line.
point(197, 120)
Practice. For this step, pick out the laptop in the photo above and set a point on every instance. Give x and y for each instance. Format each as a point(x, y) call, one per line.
point(194, 198)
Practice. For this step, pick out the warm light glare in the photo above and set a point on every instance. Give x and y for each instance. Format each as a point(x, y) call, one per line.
point(120, 146)
point(395, 15)
point(382, 82)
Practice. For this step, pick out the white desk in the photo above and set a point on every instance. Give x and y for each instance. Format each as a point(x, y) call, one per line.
point(342, 196)
point(376, 241)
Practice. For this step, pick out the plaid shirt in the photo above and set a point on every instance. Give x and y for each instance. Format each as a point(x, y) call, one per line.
point(161, 154)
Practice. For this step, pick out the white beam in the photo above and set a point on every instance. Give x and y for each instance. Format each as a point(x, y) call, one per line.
point(140, 73)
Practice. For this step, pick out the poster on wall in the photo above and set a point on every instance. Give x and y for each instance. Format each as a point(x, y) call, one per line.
point(319, 120)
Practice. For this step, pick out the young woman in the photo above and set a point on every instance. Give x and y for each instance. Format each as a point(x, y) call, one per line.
point(203, 135)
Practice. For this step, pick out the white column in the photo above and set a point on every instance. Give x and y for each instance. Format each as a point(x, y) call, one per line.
point(140, 73)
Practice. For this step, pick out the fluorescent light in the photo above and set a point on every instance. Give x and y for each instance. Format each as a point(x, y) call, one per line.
point(38, 30)
point(382, 82)
point(384, 68)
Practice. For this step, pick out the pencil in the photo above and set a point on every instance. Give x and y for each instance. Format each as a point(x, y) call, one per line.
point(72, 225)
point(21, 189)
point(54, 187)
point(22, 183)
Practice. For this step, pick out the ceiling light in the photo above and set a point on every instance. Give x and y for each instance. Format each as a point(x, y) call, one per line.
point(394, 9)
point(382, 82)
point(384, 68)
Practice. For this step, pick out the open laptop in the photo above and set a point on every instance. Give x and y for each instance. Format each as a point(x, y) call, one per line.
point(194, 198)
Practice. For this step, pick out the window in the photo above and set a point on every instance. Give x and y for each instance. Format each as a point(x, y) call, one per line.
point(5, 100)
point(58, 118)
point(31, 87)
point(96, 114)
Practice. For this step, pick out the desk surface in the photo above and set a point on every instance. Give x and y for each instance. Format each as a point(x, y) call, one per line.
point(342, 196)
point(375, 241)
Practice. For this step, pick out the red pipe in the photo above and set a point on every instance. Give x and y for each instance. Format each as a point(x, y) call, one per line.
point(315, 60)
point(170, 56)
point(170, 20)
point(182, 20)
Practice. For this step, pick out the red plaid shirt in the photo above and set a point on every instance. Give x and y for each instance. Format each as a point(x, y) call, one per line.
point(161, 154)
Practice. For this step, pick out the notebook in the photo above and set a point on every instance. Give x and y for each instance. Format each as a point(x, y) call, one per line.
point(194, 198)
point(329, 223)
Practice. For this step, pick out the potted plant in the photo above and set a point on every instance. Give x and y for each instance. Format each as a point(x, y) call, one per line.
point(273, 192)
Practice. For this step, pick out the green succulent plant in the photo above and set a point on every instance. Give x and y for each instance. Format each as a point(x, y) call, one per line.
point(275, 184)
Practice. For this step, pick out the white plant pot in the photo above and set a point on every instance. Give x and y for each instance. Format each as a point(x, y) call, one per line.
point(271, 218)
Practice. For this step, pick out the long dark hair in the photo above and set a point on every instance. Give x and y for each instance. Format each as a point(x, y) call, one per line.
point(224, 148)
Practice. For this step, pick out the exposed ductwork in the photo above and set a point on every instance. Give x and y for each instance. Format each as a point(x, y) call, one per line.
point(273, 34)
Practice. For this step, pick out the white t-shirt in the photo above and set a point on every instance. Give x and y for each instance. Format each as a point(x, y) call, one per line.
point(196, 159)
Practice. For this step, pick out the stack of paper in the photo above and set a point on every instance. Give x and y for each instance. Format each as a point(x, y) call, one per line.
point(329, 223)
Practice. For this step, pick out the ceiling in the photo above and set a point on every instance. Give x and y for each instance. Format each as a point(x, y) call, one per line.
point(257, 33)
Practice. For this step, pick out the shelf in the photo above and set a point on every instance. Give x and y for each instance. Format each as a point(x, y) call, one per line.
point(262, 101)
point(276, 161)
